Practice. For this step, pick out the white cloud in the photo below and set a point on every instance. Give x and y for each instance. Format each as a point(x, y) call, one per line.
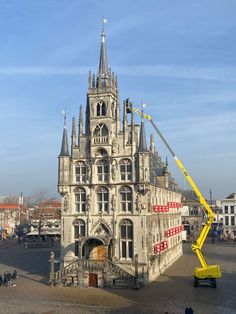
point(158, 70)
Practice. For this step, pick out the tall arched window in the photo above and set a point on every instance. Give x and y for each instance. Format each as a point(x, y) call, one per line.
point(101, 109)
point(100, 134)
point(80, 200)
point(126, 237)
point(102, 199)
point(126, 199)
point(125, 169)
point(79, 228)
point(79, 231)
point(80, 172)
point(102, 170)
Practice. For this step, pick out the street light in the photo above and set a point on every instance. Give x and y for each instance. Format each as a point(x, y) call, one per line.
point(212, 227)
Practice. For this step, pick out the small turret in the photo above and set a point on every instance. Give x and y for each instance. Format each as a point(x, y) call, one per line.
point(81, 126)
point(73, 133)
point(152, 144)
point(64, 145)
point(142, 148)
point(63, 163)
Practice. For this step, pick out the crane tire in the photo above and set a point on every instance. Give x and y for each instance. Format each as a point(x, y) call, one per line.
point(213, 283)
point(196, 282)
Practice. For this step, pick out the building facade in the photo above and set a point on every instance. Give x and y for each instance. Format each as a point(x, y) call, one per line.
point(45, 219)
point(11, 216)
point(192, 215)
point(119, 201)
point(229, 216)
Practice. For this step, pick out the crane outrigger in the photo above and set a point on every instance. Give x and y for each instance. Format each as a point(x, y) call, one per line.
point(205, 272)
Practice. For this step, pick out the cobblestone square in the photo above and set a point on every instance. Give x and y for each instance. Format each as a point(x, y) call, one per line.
point(171, 292)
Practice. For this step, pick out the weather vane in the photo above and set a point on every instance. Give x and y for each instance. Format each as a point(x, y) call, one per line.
point(64, 113)
point(143, 106)
point(104, 21)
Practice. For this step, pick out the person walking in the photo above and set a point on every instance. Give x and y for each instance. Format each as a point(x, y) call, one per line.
point(9, 280)
point(5, 279)
point(14, 275)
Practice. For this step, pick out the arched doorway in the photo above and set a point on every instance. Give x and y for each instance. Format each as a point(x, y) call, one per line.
point(95, 249)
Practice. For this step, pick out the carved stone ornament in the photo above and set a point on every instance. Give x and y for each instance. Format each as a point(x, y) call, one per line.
point(88, 202)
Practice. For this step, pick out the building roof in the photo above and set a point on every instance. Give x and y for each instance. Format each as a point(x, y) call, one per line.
point(231, 196)
point(142, 148)
point(8, 206)
point(64, 144)
point(103, 68)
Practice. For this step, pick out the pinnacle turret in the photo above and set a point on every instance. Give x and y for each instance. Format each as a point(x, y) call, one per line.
point(64, 144)
point(142, 148)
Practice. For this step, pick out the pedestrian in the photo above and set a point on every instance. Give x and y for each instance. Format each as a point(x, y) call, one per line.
point(5, 279)
point(14, 275)
point(9, 280)
point(1, 280)
point(188, 310)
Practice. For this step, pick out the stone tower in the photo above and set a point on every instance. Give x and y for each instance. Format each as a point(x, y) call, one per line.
point(112, 191)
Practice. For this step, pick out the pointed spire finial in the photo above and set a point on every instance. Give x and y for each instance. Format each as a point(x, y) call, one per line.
point(64, 113)
point(64, 145)
point(104, 21)
point(143, 106)
point(103, 68)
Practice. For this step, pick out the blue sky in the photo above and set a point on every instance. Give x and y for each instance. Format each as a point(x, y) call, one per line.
point(178, 57)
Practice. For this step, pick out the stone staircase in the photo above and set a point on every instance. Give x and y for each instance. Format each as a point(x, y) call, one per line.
point(72, 274)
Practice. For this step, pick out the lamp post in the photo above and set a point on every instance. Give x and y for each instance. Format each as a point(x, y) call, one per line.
point(212, 227)
point(52, 260)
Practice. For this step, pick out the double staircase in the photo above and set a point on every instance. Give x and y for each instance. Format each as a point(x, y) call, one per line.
point(73, 273)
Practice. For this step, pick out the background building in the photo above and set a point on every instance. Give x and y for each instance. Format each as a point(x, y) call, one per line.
point(192, 215)
point(120, 204)
point(11, 216)
point(45, 219)
point(229, 215)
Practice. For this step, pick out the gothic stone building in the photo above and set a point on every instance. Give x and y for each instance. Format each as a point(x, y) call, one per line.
point(120, 203)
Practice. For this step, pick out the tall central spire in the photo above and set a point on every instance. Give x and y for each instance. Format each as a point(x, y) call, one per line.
point(103, 68)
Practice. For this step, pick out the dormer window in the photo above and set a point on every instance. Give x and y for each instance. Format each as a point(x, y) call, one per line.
point(101, 109)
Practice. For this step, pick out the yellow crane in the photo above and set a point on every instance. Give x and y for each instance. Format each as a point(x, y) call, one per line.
point(205, 272)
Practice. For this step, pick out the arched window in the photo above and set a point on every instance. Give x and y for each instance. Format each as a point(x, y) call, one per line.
point(80, 172)
point(126, 236)
point(80, 200)
point(126, 199)
point(79, 228)
point(79, 231)
point(102, 170)
point(101, 109)
point(100, 134)
point(125, 170)
point(102, 199)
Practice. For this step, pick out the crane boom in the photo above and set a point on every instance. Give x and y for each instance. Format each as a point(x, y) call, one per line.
point(206, 271)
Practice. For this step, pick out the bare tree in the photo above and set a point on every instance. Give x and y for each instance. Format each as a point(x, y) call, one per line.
point(13, 199)
point(39, 195)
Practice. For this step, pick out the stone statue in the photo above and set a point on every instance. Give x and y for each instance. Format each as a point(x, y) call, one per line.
point(66, 202)
point(114, 146)
point(113, 170)
point(138, 202)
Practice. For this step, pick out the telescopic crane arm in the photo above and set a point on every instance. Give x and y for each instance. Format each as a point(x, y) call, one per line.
point(206, 271)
